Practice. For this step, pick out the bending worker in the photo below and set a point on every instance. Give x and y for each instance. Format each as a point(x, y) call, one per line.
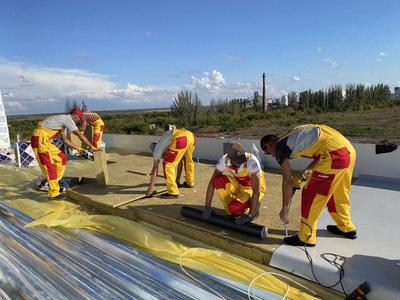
point(94, 120)
point(174, 147)
point(52, 161)
point(239, 181)
point(328, 178)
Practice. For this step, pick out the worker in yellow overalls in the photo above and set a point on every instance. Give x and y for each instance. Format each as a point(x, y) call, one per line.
point(175, 147)
point(94, 120)
point(328, 178)
point(51, 160)
point(240, 183)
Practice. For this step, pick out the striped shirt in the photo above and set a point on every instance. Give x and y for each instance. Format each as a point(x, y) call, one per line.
point(90, 117)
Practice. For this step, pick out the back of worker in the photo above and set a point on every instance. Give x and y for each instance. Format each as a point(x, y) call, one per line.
point(331, 178)
point(51, 160)
point(181, 147)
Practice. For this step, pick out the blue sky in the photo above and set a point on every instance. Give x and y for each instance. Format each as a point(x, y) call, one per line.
point(139, 54)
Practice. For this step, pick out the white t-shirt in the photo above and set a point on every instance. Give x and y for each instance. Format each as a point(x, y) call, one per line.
point(162, 145)
point(253, 164)
point(59, 122)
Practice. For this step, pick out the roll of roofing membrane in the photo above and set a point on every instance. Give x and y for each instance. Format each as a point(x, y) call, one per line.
point(226, 222)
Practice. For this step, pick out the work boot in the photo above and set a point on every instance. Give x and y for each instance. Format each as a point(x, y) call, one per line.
point(335, 230)
point(59, 197)
point(169, 196)
point(185, 185)
point(294, 240)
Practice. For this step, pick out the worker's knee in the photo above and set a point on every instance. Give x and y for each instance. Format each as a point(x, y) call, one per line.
point(236, 208)
point(220, 181)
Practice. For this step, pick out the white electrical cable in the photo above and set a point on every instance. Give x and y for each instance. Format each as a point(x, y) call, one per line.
point(193, 278)
point(279, 275)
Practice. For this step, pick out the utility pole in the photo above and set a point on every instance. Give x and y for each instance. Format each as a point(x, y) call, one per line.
point(263, 96)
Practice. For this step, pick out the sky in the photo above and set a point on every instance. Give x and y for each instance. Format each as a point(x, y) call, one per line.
point(140, 54)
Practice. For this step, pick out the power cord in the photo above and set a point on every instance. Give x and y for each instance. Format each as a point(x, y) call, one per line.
point(193, 278)
point(334, 262)
point(250, 288)
point(250, 285)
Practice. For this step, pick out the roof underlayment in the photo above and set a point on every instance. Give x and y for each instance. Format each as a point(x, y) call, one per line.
point(373, 257)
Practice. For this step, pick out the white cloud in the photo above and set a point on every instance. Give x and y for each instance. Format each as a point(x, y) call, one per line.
point(36, 89)
point(296, 78)
point(381, 55)
point(211, 82)
point(40, 89)
point(319, 49)
point(7, 94)
point(15, 106)
point(331, 63)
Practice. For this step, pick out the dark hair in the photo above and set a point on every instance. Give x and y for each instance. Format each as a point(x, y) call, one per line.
point(266, 139)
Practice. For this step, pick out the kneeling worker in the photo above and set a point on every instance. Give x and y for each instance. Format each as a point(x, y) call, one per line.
point(240, 183)
point(52, 161)
point(174, 146)
point(328, 178)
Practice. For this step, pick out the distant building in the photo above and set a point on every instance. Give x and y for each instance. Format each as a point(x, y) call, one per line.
point(397, 91)
point(274, 103)
point(396, 94)
point(284, 101)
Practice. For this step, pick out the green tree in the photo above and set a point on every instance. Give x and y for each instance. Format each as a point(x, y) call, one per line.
point(293, 100)
point(187, 108)
point(256, 101)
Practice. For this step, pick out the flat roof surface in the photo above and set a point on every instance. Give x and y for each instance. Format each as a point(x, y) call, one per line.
point(127, 182)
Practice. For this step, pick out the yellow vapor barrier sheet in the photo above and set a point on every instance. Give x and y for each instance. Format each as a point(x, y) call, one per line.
point(17, 191)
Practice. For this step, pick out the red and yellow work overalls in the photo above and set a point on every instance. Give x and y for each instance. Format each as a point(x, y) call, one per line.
point(234, 189)
point(51, 160)
point(98, 128)
point(329, 185)
point(181, 147)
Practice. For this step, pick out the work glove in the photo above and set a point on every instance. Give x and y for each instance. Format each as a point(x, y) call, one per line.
point(245, 218)
point(207, 210)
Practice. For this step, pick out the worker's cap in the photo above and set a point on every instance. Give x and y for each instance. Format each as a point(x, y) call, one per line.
point(152, 146)
point(78, 112)
point(237, 154)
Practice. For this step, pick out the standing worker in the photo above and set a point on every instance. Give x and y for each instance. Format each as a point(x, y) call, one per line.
point(94, 120)
point(241, 188)
point(174, 146)
point(52, 161)
point(328, 178)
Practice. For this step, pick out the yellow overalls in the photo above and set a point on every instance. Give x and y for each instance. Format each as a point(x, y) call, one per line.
point(51, 160)
point(234, 189)
point(98, 129)
point(329, 185)
point(181, 147)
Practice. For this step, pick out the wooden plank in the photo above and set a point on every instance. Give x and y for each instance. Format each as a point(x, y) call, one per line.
point(100, 160)
point(155, 193)
point(143, 173)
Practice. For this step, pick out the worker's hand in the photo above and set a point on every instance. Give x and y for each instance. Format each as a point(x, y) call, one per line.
point(307, 174)
point(245, 218)
point(207, 210)
point(284, 215)
point(93, 148)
